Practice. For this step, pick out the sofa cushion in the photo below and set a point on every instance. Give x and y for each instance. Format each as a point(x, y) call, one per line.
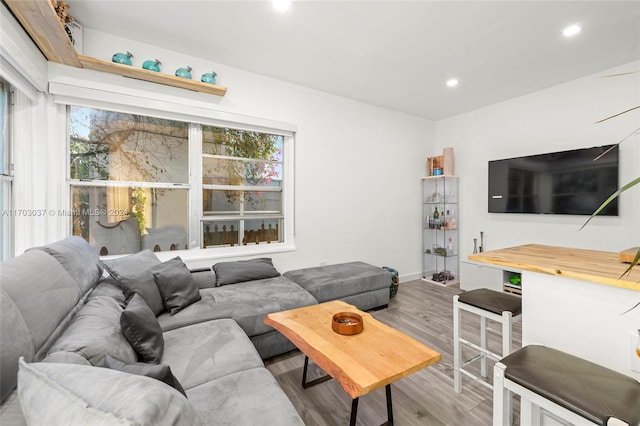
point(245, 398)
point(38, 298)
point(255, 299)
point(204, 277)
point(82, 395)
point(66, 358)
point(160, 372)
point(78, 258)
point(244, 270)
point(332, 282)
point(206, 351)
point(109, 287)
point(176, 285)
point(141, 329)
point(246, 302)
point(94, 332)
point(134, 275)
point(205, 309)
point(16, 342)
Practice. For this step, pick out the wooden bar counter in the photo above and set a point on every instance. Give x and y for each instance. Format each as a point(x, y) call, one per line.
point(600, 267)
point(575, 300)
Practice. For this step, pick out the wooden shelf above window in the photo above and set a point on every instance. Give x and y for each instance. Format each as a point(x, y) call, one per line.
point(40, 21)
point(152, 76)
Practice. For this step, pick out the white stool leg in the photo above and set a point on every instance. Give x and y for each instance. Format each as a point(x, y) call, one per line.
point(483, 345)
point(457, 349)
point(507, 327)
point(502, 398)
point(529, 412)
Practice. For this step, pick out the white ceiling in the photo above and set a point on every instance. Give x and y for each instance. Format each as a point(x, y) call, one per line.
point(395, 54)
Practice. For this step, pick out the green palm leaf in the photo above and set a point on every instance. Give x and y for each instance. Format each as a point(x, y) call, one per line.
point(611, 198)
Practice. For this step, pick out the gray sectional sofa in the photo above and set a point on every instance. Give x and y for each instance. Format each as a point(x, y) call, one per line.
point(73, 334)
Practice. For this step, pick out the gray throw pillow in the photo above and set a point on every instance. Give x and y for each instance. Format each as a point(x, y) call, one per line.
point(95, 331)
point(176, 285)
point(143, 283)
point(140, 327)
point(71, 394)
point(133, 274)
point(160, 372)
point(244, 270)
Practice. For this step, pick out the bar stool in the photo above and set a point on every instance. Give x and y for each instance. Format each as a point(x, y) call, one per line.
point(487, 304)
point(564, 388)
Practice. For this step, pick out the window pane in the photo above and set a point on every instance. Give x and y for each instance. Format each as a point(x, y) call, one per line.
point(230, 202)
point(241, 143)
point(126, 220)
point(4, 169)
point(224, 171)
point(261, 231)
point(107, 145)
point(225, 233)
point(220, 233)
point(221, 202)
point(6, 218)
point(266, 201)
point(6, 224)
point(253, 158)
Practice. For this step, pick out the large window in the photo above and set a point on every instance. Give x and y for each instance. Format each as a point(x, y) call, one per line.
point(6, 174)
point(135, 184)
point(241, 187)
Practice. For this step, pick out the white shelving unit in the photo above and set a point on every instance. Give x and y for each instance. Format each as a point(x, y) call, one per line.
point(440, 230)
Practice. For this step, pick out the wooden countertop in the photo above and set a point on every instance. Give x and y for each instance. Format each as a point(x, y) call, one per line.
point(600, 267)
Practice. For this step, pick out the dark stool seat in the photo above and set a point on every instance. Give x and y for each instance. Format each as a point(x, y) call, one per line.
point(488, 305)
point(594, 392)
point(492, 301)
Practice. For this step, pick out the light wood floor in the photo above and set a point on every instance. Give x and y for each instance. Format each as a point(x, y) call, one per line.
point(423, 311)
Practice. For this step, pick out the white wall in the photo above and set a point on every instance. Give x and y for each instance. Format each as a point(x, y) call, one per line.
point(358, 167)
point(556, 119)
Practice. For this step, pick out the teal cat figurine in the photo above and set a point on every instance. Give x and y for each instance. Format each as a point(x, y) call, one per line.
point(209, 77)
point(184, 72)
point(122, 58)
point(152, 65)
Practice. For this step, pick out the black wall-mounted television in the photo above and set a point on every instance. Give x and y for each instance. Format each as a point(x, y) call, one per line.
point(567, 182)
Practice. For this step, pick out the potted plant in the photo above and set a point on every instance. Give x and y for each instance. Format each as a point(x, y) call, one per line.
point(625, 187)
point(634, 182)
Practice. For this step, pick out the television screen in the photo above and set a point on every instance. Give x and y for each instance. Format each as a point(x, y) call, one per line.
point(567, 182)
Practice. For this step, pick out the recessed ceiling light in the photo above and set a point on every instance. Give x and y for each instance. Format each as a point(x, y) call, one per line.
point(571, 30)
point(452, 82)
point(281, 5)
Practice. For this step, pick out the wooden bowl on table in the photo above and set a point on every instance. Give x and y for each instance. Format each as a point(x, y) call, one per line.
point(347, 323)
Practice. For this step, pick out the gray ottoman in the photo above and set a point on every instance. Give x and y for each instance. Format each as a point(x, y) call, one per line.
point(360, 284)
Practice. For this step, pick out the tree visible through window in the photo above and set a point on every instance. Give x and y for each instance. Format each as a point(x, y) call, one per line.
point(242, 187)
point(124, 168)
point(131, 186)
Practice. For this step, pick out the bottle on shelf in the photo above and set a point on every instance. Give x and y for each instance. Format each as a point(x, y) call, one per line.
point(450, 248)
point(452, 221)
point(436, 217)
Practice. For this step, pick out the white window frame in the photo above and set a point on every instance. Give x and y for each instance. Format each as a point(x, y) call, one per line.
point(6, 179)
point(120, 99)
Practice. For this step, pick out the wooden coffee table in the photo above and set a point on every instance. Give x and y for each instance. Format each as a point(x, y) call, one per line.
point(376, 357)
